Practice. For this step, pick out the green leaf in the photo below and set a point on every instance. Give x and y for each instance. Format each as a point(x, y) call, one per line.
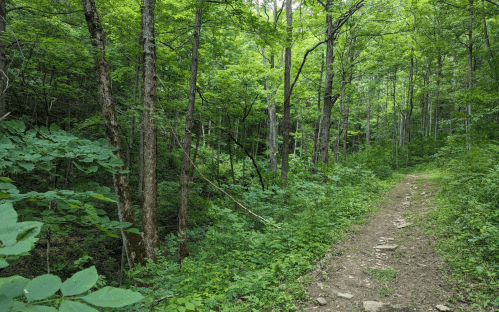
point(17, 125)
point(7, 214)
point(27, 166)
point(3, 264)
point(4, 195)
point(75, 306)
point(92, 213)
point(12, 286)
point(113, 297)
point(37, 308)
point(6, 303)
point(5, 180)
point(80, 282)
point(104, 198)
point(42, 287)
point(189, 306)
point(134, 231)
point(54, 127)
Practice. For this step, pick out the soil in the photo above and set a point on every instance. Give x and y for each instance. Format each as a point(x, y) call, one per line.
point(408, 277)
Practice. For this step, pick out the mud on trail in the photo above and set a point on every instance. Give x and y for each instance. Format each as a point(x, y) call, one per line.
point(386, 264)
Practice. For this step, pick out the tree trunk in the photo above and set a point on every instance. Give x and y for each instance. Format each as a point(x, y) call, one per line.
point(3, 61)
point(287, 93)
point(470, 67)
point(149, 195)
point(183, 251)
point(489, 49)
point(368, 124)
point(346, 135)
point(437, 91)
point(329, 99)
point(134, 246)
point(315, 155)
point(411, 94)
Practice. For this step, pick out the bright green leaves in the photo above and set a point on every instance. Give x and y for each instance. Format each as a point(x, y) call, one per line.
point(39, 151)
point(80, 282)
point(42, 287)
point(75, 306)
point(12, 286)
point(113, 297)
point(17, 238)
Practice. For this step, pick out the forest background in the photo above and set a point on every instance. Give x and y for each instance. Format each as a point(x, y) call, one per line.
point(206, 153)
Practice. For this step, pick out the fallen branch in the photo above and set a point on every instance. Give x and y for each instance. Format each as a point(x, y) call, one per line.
point(221, 190)
point(5, 116)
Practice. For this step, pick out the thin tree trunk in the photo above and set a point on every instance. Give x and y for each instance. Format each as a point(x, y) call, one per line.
point(437, 91)
point(183, 250)
point(346, 135)
point(149, 196)
point(411, 94)
point(368, 125)
point(315, 155)
point(3, 60)
point(329, 99)
point(287, 93)
point(489, 49)
point(134, 246)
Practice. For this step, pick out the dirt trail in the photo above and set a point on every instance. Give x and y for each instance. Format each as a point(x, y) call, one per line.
point(388, 261)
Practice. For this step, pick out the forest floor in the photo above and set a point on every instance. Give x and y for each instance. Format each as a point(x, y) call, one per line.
point(387, 263)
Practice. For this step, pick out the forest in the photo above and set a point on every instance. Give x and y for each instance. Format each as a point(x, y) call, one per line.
point(203, 155)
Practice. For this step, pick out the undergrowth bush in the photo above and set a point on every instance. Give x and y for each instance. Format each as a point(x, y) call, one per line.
point(240, 264)
point(468, 219)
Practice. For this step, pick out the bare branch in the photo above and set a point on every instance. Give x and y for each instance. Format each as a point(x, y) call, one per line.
point(5, 116)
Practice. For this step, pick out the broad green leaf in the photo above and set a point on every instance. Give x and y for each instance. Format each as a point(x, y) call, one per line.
point(133, 230)
point(17, 249)
point(42, 287)
point(80, 282)
point(54, 127)
point(3, 263)
point(6, 303)
point(7, 214)
point(38, 308)
point(75, 306)
point(12, 286)
point(6, 180)
point(4, 195)
point(27, 166)
point(104, 198)
point(113, 297)
point(92, 213)
point(17, 125)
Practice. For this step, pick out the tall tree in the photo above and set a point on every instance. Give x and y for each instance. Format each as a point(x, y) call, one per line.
point(287, 94)
point(149, 195)
point(183, 250)
point(133, 243)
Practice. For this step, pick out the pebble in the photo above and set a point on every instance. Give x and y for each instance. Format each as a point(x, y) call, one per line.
point(321, 301)
point(441, 307)
point(346, 296)
point(372, 305)
point(387, 247)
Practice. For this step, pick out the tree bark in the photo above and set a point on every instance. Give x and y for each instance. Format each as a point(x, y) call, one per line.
point(489, 49)
point(3, 60)
point(183, 250)
point(346, 135)
point(315, 155)
point(437, 91)
point(411, 95)
point(149, 195)
point(329, 99)
point(134, 246)
point(287, 94)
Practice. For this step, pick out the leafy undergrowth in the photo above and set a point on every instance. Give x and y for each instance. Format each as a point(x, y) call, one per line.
point(241, 264)
point(466, 222)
